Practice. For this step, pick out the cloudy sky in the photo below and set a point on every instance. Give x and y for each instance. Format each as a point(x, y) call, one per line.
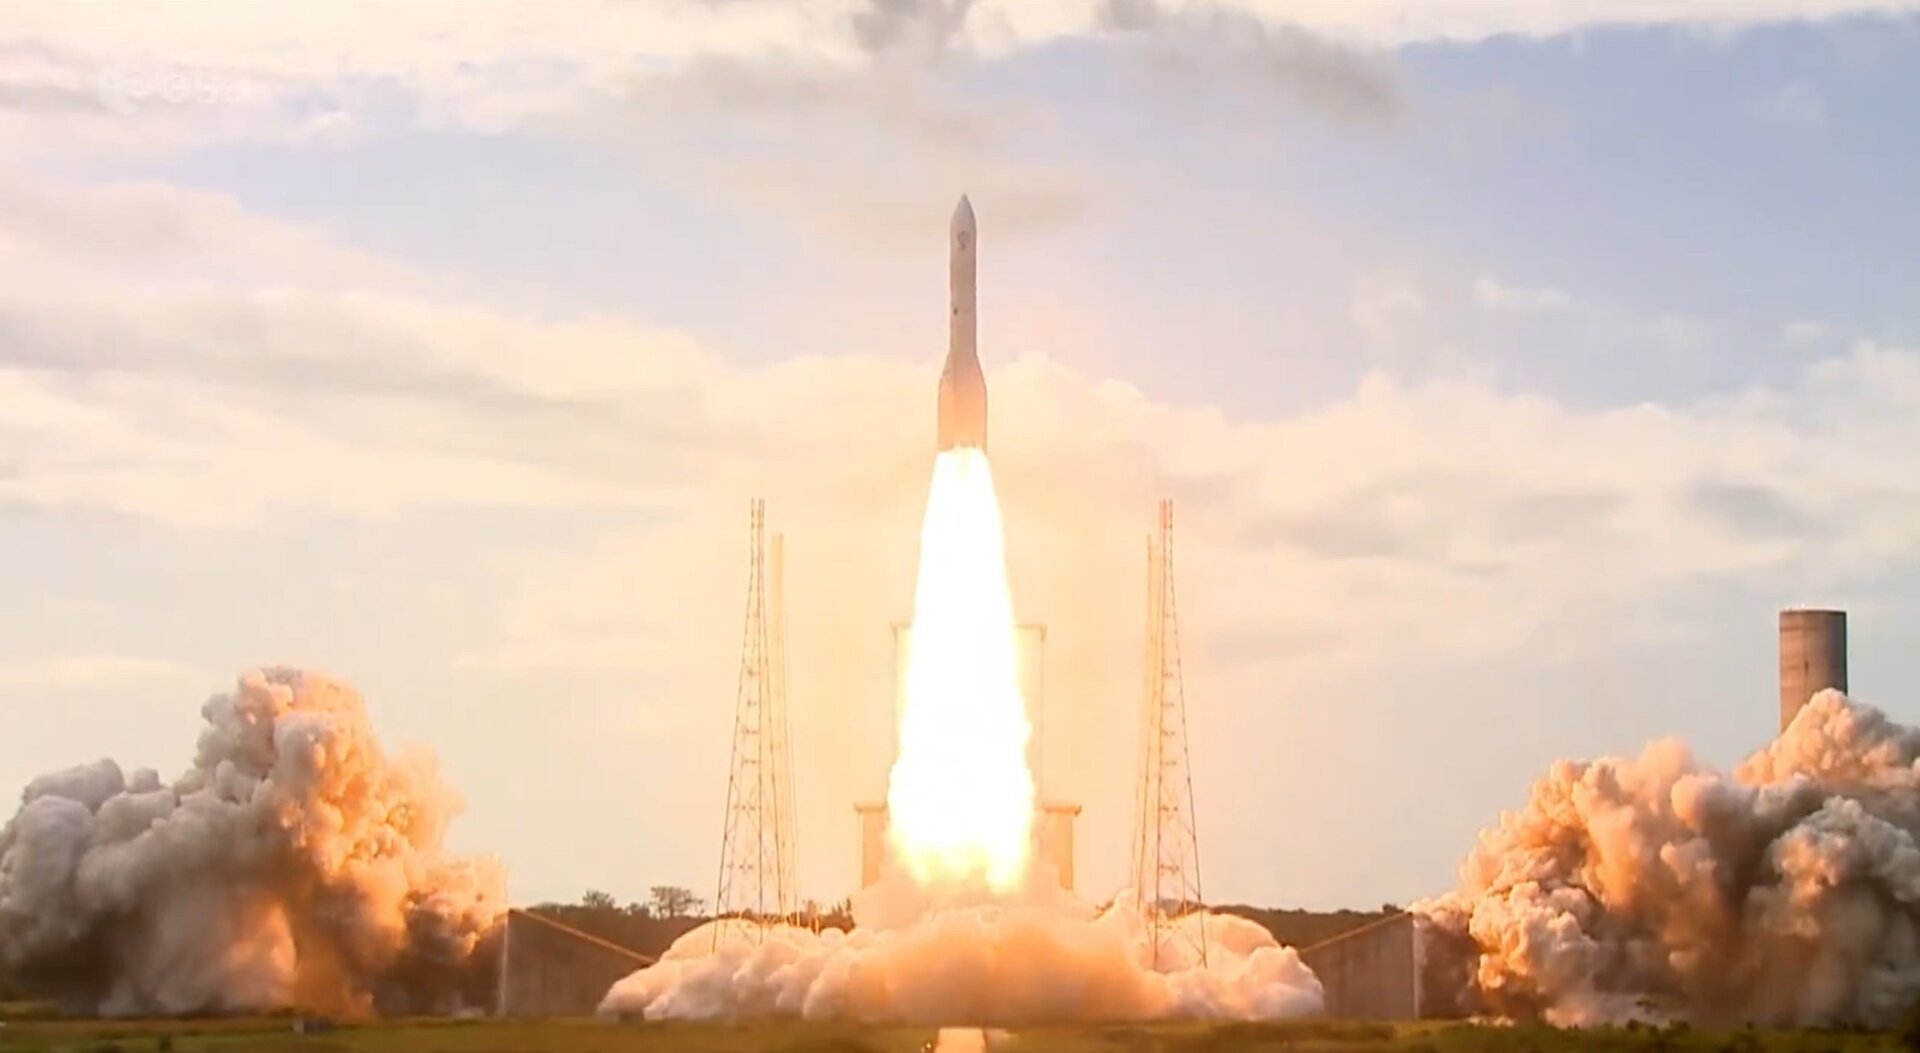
point(1509, 362)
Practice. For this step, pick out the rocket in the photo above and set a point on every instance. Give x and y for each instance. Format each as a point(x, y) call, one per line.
point(963, 389)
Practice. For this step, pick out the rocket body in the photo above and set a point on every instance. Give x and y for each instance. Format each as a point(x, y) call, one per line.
point(963, 388)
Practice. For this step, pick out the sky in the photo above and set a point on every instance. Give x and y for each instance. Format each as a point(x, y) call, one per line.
point(1510, 364)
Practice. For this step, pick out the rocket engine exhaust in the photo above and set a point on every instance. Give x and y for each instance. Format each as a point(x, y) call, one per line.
point(963, 388)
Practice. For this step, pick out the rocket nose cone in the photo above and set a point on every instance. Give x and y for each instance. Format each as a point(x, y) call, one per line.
point(963, 214)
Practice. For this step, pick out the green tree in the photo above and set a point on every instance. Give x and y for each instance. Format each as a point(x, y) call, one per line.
point(672, 901)
point(597, 900)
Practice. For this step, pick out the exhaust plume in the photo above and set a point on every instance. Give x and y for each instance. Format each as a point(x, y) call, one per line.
point(294, 865)
point(959, 796)
point(1786, 893)
point(1038, 957)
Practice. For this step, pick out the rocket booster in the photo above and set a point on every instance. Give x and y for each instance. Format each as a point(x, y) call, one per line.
point(963, 389)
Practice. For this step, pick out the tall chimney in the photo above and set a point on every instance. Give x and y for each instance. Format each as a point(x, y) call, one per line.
point(1813, 657)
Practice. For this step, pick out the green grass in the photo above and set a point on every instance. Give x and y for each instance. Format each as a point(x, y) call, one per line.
point(275, 1034)
point(1330, 1036)
point(28, 1029)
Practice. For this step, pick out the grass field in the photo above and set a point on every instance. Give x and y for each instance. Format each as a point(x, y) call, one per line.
point(271, 1035)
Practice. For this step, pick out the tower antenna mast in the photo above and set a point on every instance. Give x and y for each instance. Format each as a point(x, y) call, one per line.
point(756, 845)
point(1166, 856)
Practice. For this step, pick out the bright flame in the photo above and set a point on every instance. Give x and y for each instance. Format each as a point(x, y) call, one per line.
point(960, 800)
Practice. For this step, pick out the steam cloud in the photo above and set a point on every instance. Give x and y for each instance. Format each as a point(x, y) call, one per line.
point(1041, 957)
point(294, 865)
point(1785, 894)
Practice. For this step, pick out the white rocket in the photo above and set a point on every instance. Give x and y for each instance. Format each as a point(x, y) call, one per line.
point(963, 389)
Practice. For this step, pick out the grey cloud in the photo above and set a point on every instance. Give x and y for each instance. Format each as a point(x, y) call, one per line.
point(1128, 15)
point(1751, 509)
point(38, 78)
point(779, 116)
point(1421, 518)
point(322, 363)
point(1346, 532)
point(1559, 511)
point(243, 345)
point(899, 25)
point(1243, 648)
point(876, 101)
point(46, 97)
point(1214, 42)
point(343, 362)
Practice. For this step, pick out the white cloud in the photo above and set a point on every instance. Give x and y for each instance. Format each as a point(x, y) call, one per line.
point(141, 76)
point(448, 43)
point(1386, 303)
point(1446, 523)
point(1799, 104)
point(1495, 295)
point(1803, 331)
point(1394, 23)
point(75, 672)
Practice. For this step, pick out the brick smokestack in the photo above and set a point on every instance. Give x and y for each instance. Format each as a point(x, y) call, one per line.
point(1813, 657)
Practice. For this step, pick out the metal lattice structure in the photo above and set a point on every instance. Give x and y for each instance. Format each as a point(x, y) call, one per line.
point(756, 846)
point(1166, 857)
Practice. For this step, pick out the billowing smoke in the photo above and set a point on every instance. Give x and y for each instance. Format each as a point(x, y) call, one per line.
point(294, 865)
point(1040, 957)
point(1786, 893)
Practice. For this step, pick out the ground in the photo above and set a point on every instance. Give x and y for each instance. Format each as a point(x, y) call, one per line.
point(270, 1035)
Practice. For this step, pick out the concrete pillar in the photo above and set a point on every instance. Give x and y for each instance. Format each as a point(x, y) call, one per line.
point(1056, 839)
point(873, 841)
point(1813, 657)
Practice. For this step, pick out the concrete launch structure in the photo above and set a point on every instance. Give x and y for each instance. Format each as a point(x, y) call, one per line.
point(547, 969)
point(1372, 972)
point(962, 413)
point(1813, 657)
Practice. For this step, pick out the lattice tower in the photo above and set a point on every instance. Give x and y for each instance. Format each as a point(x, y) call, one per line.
point(1166, 858)
point(756, 845)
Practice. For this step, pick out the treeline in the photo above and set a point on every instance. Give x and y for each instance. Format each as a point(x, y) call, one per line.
point(670, 911)
point(650, 928)
point(1304, 928)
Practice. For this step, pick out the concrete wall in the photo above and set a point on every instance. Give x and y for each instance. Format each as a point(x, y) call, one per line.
point(1813, 657)
point(550, 969)
point(1371, 973)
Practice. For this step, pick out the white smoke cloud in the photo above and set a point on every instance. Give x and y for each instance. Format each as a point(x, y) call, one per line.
point(293, 865)
point(1786, 893)
point(1039, 957)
